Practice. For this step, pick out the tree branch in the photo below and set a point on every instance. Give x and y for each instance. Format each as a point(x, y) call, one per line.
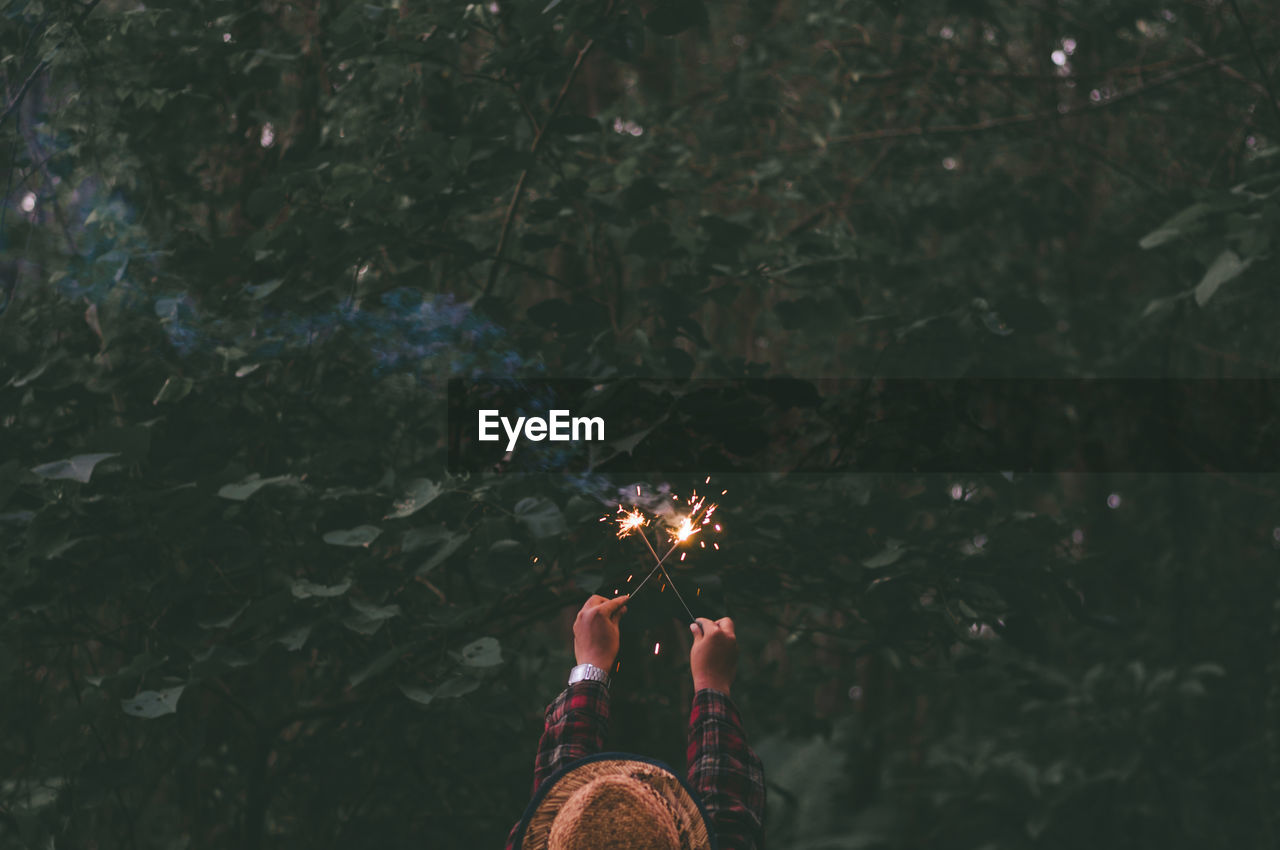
point(509, 218)
point(40, 67)
point(1001, 122)
point(1262, 69)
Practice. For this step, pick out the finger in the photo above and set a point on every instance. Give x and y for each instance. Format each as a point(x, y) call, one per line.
point(704, 625)
point(727, 625)
point(609, 606)
point(596, 599)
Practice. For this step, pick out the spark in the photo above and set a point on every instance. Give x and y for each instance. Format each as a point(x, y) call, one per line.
point(655, 649)
point(629, 521)
point(683, 531)
point(637, 489)
point(708, 481)
point(682, 554)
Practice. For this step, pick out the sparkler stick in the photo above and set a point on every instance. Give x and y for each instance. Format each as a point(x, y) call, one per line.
point(677, 590)
point(655, 567)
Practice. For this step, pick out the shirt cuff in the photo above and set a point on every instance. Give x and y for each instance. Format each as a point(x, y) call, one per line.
point(713, 703)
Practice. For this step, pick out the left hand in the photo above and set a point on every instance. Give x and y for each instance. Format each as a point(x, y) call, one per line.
point(595, 631)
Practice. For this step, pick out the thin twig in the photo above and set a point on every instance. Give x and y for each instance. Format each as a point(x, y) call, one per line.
point(509, 218)
point(996, 123)
point(43, 65)
point(1262, 69)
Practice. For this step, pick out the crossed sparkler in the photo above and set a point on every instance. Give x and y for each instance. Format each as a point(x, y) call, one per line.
point(632, 521)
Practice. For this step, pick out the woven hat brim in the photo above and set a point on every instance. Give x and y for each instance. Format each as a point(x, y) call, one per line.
point(535, 827)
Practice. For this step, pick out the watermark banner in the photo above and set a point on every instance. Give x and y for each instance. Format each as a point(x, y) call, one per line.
point(637, 425)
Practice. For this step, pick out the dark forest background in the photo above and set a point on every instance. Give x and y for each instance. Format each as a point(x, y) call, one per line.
point(243, 246)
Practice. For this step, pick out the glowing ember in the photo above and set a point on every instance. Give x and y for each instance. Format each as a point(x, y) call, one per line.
point(683, 531)
point(655, 649)
point(629, 521)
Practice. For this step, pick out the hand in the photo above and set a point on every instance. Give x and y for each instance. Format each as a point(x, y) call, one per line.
point(595, 631)
point(714, 656)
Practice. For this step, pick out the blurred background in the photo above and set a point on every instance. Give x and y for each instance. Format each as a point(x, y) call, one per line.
point(244, 246)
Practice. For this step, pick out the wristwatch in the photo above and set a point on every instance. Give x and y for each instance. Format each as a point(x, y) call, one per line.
point(588, 672)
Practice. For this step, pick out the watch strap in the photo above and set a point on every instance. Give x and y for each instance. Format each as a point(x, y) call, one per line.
point(588, 672)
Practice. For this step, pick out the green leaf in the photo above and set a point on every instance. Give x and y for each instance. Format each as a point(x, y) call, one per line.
point(456, 687)
point(451, 545)
point(1158, 304)
point(368, 618)
point(225, 621)
point(242, 490)
point(1175, 226)
point(262, 290)
point(541, 516)
point(419, 695)
point(151, 704)
point(1226, 267)
point(483, 652)
point(421, 492)
point(892, 551)
point(36, 372)
point(361, 535)
point(420, 538)
point(294, 639)
point(303, 589)
point(376, 666)
point(78, 468)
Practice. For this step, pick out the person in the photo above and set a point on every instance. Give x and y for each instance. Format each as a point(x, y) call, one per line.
point(588, 799)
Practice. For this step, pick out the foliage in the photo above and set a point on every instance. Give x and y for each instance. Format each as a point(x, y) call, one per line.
point(244, 245)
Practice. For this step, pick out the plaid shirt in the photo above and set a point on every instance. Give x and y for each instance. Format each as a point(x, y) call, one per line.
point(723, 770)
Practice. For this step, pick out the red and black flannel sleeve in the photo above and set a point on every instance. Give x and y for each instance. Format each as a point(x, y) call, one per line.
point(725, 772)
point(576, 724)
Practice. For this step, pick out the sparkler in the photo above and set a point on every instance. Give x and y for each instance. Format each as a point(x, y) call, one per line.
point(633, 521)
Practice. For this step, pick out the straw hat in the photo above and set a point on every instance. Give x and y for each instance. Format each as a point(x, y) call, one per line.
point(615, 801)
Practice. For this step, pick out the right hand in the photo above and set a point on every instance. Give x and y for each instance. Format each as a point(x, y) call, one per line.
point(714, 656)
